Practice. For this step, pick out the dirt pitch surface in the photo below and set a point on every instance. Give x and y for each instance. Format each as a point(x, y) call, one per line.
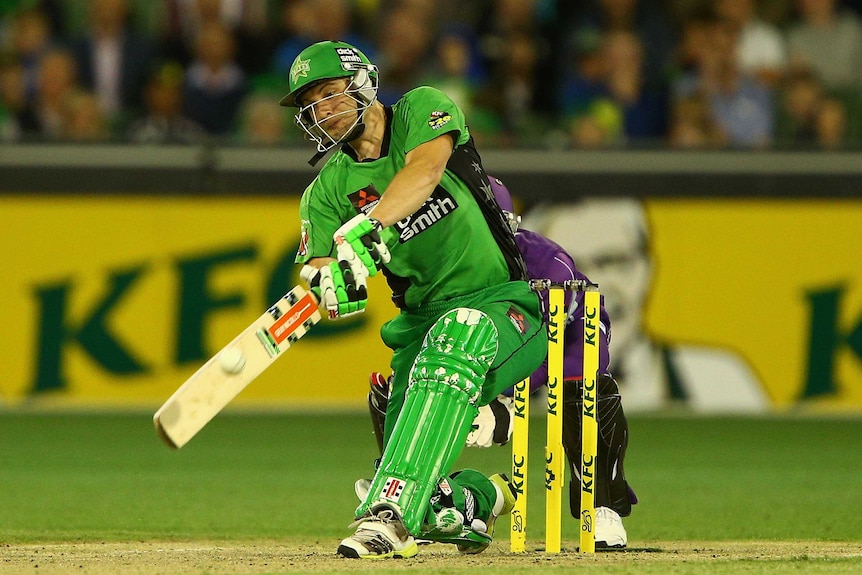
point(219, 558)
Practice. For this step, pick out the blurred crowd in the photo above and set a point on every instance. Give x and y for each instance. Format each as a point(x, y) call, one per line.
point(716, 74)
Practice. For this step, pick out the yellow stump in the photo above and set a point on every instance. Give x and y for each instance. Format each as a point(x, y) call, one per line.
point(555, 458)
point(589, 421)
point(520, 449)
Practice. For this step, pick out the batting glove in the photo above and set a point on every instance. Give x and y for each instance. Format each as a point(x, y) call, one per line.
point(493, 424)
point(338, 289)
point(360, 243)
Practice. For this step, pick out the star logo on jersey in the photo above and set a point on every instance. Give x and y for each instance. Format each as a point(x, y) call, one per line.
point(300, 68)
point(439, 119)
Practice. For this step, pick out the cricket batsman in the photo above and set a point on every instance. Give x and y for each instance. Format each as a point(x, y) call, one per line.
point(404, 193)
point(493, 425)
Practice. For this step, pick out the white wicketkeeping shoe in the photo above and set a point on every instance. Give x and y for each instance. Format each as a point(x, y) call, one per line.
point(610, 533)
point(379, 534)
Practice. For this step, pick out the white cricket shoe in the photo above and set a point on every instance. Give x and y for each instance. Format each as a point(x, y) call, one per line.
point(610, 533)
point(379, 534)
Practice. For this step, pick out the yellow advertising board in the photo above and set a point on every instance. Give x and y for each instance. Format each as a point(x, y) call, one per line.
point(115, 300)
point(778, 282)
point(723, 305)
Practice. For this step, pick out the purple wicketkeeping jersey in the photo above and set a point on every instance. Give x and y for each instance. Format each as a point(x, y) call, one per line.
point(547, 260)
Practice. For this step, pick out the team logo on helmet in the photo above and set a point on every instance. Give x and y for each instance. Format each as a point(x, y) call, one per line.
point(439, 119)
point(300, 68)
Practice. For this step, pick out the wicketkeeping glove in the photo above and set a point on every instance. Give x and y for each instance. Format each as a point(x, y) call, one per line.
point(362, 245)
point(493, 424)
point(341, 291)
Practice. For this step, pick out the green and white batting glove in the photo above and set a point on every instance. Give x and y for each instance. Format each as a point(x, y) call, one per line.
point(362, 245)
point(338, 289)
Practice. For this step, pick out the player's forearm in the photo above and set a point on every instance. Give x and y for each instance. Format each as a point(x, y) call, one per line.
point(415, 182)
point(407, 192)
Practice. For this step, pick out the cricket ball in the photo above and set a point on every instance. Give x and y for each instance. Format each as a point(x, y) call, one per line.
point(232, 361)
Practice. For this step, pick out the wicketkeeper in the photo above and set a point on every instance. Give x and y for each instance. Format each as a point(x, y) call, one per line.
point(406, 194)
point(493, 425)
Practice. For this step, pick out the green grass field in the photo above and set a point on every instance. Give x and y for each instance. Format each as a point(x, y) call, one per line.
point(288, 478)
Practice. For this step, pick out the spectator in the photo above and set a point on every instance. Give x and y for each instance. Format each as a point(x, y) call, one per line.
point(214, 85)
point(456, 68)
point(801, 98)
point(691, 125)
point(305, 22)
point(740, 105)
point(828, 40)
point(186, 18)
point(517, 86)
point(831, 124)
point(583, 77)
point(31, 39)
point(404, 46)
point(114, 62)
point(56, 80)
point(622, 107)
point(514, 54)
point(694, 41)
point(55, 12)
point(760, 48)
point(13, 97)
point(83, 120)
point(645, 18)
point(164, 122)
point(248, 21)
point(600, 127)
point(255, 37)
point(263, 121)
point(809, 117)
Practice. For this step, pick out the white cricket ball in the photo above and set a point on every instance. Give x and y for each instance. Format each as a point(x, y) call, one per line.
point(232, 360)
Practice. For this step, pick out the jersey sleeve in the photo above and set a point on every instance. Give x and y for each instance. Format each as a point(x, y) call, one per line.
point(318, 224)
point(429, 113)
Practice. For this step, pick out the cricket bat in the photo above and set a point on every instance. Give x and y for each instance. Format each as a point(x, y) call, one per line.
point(237, 364)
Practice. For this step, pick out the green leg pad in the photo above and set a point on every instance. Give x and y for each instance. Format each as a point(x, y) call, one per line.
point(439, 408)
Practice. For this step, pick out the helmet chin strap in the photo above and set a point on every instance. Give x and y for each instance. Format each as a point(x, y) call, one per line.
point(316, 158)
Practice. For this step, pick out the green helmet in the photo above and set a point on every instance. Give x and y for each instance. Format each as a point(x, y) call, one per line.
point(328, 59)
point(325, 61)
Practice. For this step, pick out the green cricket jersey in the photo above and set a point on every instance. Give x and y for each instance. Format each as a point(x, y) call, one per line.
point(446, 248)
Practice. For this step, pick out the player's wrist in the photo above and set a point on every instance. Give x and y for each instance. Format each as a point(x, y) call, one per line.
point(385, 231)
point(375, 224)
